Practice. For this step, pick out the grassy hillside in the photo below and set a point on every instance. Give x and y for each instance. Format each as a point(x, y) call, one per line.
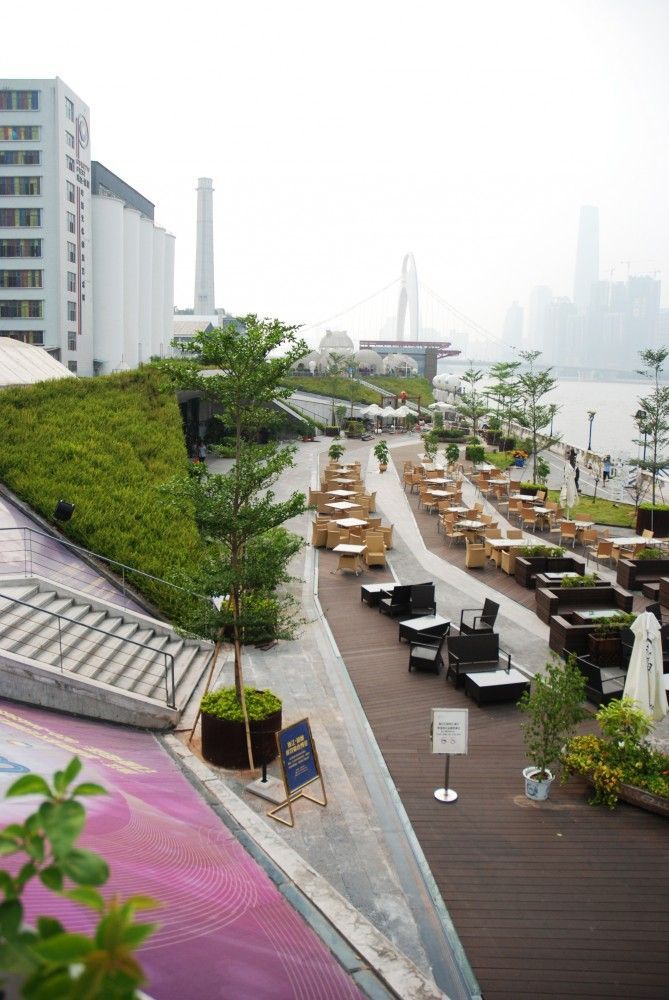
point(328, 385)
point(104, 444)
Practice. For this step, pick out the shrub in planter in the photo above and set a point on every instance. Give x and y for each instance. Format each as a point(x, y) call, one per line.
point(655, 517)
point(604, 643)
point(550, 551)
point(648, 553)
point(381, 454)
point(474, 453)
point(587, 580)
point(619, 759)
point(223, 731)
point(530, 487)
point(331, 431)
point(452, 453)
point(335, 451)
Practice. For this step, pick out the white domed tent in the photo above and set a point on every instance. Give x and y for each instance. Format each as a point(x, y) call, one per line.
point(313, 362)
point(369, 362)
point(337, 342)
point(399, 364)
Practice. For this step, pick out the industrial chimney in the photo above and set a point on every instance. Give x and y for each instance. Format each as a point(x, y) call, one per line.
point(204, 304)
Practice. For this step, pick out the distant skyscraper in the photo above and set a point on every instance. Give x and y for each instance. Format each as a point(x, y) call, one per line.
point(512, 332)
point(587, 257)
point(540, 298)
point(204, 304)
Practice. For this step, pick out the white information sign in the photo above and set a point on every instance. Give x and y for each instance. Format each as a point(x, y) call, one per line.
point(450, 730)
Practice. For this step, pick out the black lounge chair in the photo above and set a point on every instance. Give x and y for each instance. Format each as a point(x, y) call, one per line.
point(483, 621)
point(602, 684)
point(399, 602)
point(424, 656)
point(470, 653)
point(422, 600)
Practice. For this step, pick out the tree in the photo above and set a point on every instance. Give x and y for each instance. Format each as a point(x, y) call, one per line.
point(336, 368)
point(236, 510)
point(505, 391)
point(472, 405)
point(655, 422)
point(534, 384)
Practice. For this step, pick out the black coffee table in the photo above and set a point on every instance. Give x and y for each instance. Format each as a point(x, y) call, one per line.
point(371, 593)
point(487, 686)
point(412, 629)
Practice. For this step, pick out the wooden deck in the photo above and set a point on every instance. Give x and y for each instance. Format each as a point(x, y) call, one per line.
point(550, 900)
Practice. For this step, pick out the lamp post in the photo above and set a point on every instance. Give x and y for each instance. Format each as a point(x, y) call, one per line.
point(591, 417)
point(640, 418)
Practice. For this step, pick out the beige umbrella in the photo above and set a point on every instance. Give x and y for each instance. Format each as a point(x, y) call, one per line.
point(645, 679)
point(569, 493)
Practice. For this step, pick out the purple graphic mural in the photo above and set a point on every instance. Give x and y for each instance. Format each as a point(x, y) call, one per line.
point(225, 930)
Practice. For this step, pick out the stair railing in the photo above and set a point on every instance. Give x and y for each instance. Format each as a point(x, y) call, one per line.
point(155, 654)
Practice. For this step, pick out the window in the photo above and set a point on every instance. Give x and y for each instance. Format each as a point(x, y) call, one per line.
point(20, 279)
point(20, 248)
point(71, 253)
point(71, 281)
point(70, 191)
point(69, 162)
point(35, 337)
point(20, 185)
point(20, 157)
point(71, 223)
point(20, 217)
point(69, 139)
point(71, 340)
point(72, 365)
point(69, 109)
point(21, 308)
point(71, 312)
point(20, 133)
point(19, 100)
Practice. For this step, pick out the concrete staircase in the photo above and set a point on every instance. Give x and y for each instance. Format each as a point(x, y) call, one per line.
point(91, 657)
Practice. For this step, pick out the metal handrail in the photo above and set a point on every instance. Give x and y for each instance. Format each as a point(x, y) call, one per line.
point(168, 658)
point(96, 555)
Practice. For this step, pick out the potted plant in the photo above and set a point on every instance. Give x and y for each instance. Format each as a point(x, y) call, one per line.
point(604, 643)
point(381, 454)
point(335, 451)
point(586, 580)
point(620, 764)
point(223, 729)
point(310, 431)
point(452, 454)
point(430, 441)
point(554, 708)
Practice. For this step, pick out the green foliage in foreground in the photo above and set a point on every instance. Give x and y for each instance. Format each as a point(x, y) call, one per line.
point(48, 960)
point(338, 387)
point(106, 445)
point(224, 704)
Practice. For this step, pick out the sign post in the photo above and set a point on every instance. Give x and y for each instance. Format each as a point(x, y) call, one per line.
point(449, 733)
point(299, 763)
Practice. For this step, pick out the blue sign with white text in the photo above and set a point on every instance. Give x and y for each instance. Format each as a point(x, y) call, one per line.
point(298, 756)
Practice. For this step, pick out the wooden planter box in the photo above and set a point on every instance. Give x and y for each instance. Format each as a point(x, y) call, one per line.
point(224, 741)
point(664, 592)
point(569, 636)
point(554, 600)
point(527, 567)
point(656, 520)
point(633, 573)
point(605, 651)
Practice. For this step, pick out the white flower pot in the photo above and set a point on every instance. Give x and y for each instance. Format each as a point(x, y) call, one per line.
point(535, 789)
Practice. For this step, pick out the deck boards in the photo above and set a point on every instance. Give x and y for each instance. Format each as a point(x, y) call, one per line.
point(550, 900)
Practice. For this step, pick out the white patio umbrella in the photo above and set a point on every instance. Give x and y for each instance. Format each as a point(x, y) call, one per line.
point(569, 493)
point(440, 406)
point(645, 680)
point(387, 411)
point(374, 410)
point(402, 411)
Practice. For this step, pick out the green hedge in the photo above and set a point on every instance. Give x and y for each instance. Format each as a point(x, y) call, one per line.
point(104, 444)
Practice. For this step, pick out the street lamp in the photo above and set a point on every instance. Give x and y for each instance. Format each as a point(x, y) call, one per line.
point(591, 417)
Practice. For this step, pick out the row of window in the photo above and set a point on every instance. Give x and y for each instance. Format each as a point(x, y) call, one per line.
point(21, 308)
point(19, 100)
point(28, 217)
point(20, 248)
point(21, 279)
point(35, 337)
point(21, 157)
point(20, 185)
point(69, 109)
point(19, 133)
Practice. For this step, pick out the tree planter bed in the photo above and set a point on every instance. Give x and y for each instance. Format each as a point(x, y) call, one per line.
point(528, 567)
point(569, 636)
point(555, 600)
point(224, 741)
point(632, 573)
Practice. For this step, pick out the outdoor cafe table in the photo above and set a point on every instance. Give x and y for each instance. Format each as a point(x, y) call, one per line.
point(528, 497)
point(341, 493)
point(350, 522)
point(342, 505)
point(471, 525)
point(412, 628)
point(349, 557)
point(638, 540)
point(441, 495)
point(439, 480)
point(591, 614)
point(457, 510)
point(505, 543)
point(485, 467)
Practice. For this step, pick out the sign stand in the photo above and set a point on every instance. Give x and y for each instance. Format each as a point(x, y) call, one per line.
point(267, 787)
point(449, 735)
point(300, 766)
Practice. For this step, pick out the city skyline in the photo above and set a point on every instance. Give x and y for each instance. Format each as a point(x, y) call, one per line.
point(470, 137)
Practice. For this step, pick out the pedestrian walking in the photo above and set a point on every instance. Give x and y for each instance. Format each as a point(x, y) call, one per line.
point(201, 451)
point(606, 469)
point(577, 476)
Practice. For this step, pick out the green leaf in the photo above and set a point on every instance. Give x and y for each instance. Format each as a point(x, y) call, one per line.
point(48, 927)
point(135, 935)
point(89, 788)
point(63, 822)
point(59, 782)
point(52, 878)
point(8, 845)
point(26, 873)
point(34, 847)
point(6, 883)
point(72, 770)
point(85, 867)
point(28, 784)
point(58, 984)
point(87, 897)
point(11, 914)
point(64, 947)
point(143, 903)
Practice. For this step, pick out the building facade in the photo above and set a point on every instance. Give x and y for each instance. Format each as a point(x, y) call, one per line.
point(75, 278)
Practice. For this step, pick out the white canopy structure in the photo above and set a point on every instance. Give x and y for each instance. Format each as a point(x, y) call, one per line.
point(374, 410)
point(23, 364)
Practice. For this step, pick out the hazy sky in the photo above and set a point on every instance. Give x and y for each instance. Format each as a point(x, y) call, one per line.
point(341, 136)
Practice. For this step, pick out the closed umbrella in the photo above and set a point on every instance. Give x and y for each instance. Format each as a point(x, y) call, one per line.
point(645, 679)
point(569, 493)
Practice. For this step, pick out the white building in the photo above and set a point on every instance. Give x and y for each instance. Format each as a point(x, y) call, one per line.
point(88, 277)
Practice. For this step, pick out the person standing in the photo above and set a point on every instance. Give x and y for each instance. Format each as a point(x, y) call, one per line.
point(577, 476)
point(201, 450)
point(606, 469)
